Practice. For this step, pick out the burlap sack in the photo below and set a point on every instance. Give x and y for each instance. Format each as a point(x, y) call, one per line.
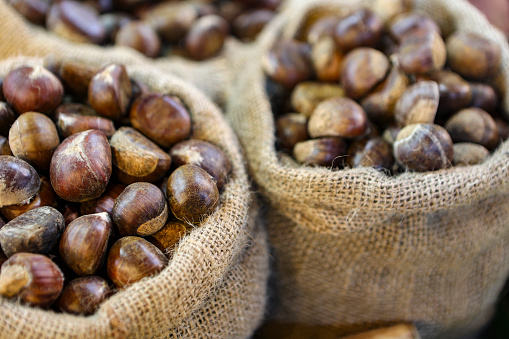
point(356, 249)
point(213, 287)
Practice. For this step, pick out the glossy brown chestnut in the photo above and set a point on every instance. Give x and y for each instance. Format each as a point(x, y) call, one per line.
point(19, 181)
point(171, 20)
point(375, 152)
point(83, 295)
point(137, 158)
point(327, 152)
point(171, 123)
point(69, 124)
point(109, 91)
point(81, 166)
point(28, 88)
point(33, 10)
point(473, 125)
point(361, 28)
point(76, 76)
point(44, 197)
point(7, 118)
point(409, 23)
point(291, 128)
point(467, 154)
point(105, 202)
point(422, 52)
point(455, 92)
point(327, 59)
point(32, 279)
point(84, 242)
point(34, 138)
point(308, 94)
point(249, 24)
point(139, 36)
point(192, 194)
point(35, 231)
point(483, 96)
point(205, 155)
point(133, 258)
point(206, 37)
point(418, 104)
point(140, 209)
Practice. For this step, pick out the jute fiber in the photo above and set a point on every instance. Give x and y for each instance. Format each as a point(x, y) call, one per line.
point(213, 287)
point(356, 249)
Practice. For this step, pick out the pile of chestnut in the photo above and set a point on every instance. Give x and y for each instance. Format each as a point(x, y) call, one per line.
point(195, 29)
point(99, 180)
point(357, 90)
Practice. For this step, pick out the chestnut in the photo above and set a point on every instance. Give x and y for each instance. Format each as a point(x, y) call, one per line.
point(19, 181)
point(83, 295)
point(168, 237)
point(205, 155)
point(455, 92)
point(361, 28)
point(327, 152)
point(161, 118)
point(7, 118)
point(34, 138)
point(32, 279)
point(409, 23)
point(422, 52)
point(418, 104)
point(76, 76)
point(483, 96)
point(249, 24)
point(137, 158)
point(327, 59)
point(291, 128)
point(133, 258)
point(192, 194)
point(374, 152)
point(69, 124)
point(139, 36)
point(5, 148)
point(81, 166)
point(105, 202)
point(28, 88)
point(35, 231)
point(84, 242)
point(206, 37)
point(424, 147)
point(473, 125)
point(321, 28)
point(308, 94)
point(34, 11)
point(467, 154)
point(109, 91)
point(171, 20)
point(140, 209)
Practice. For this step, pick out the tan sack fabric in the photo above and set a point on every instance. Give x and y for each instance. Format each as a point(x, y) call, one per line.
point(355, 248)
point(213, 287)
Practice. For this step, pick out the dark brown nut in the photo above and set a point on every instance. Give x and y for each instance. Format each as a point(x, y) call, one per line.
point(137, 158)
point(105, 203)
point(44, 197)
point(192, 194)
point(409, 23)
point(81, 166)
point(33, 10)
point(376, 153)
point(249, 24)
point(7, 118)
point(422, 52)
point(473, 125)
point(483, 96)
point(83, 295)
point(76, 76)
point(35, 89)
point(84, 242)
point(379, 105)
point(418, 104)
point(171, 20)
point(205, 155)
point(34, 138)
point(2, 98)
point(69, 124)
point(109, 91)
point(132, 259)
point(75, 21)
point(363, 68)
point(288, 62)
point(467, 153)
point(75, 109)
point(230, 10)
point(503, 129)
point(307, 95)
point(206, 37)
point(19, 181)
point(472, 55)
point(424, 147)
point(35, 231)
point(391, 133)
point(327, 152)
point(5, 149)
point(326, 59)
point(112, 23)
point(338, 117)
point(455, 92)
point(70, 212)
point(389, 9)
point(161, 118)
point(322, 27)
point(139, 36)
point(140, 209)
point(167, 238)
point(291, 128)
point(32, 279)
point(361, 28)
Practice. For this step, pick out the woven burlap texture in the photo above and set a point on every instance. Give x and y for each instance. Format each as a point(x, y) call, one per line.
point(355, 248)
point(205, 291)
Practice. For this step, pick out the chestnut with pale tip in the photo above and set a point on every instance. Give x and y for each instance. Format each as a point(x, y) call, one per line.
point(206, 37)
point(418, 104)
point(361, 28)
point(422, 52)
point(424, 147)
point(84, 242)
point(36, 89)
point(327, 152)
point(35, 231)
point(19, 181)
point(309, 94)
point(168, 237)
point(133, 258)
point(140, 209)
point(32, 279)
point(192, 194)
